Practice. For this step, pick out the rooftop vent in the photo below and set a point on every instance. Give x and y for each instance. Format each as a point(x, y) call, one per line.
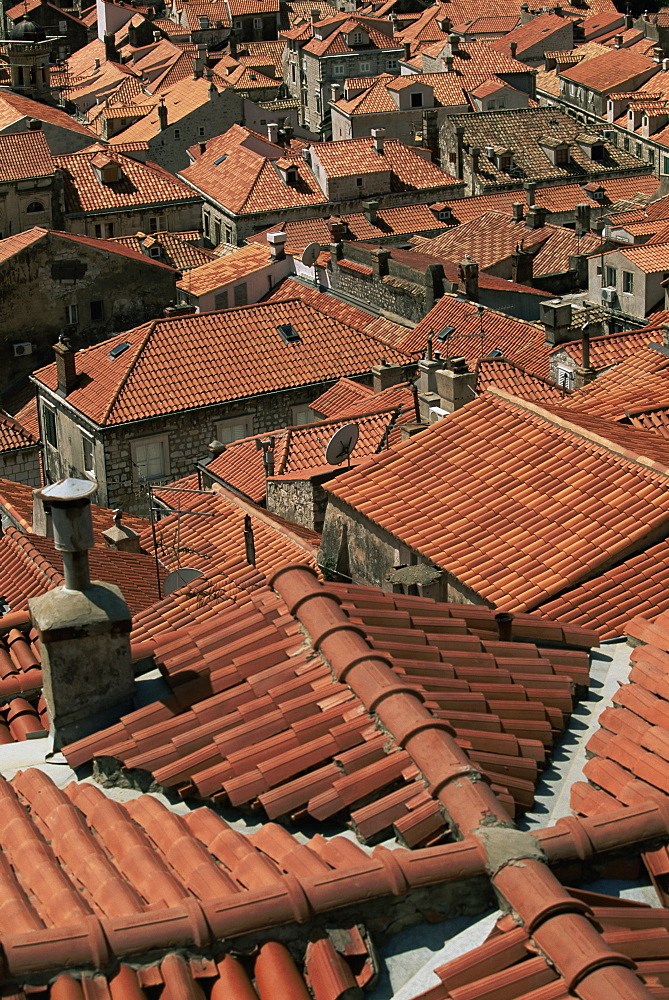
point(119, 349)
point(288, 333)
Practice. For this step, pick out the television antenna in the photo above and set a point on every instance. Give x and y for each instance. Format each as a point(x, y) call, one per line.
point(341, 444)
point(179, 578)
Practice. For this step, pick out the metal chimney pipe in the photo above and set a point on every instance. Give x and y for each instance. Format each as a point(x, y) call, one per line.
point(70, 503)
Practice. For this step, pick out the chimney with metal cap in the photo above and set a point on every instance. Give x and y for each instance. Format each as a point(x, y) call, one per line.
point(83, 627)
point(273, 132)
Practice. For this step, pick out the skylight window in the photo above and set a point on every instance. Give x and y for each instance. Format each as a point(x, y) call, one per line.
point(288, 333)
point(220, 159)
point(119, 349)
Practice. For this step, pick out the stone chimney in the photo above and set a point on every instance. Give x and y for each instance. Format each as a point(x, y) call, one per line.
point(530, 188)
point(513, 48)
point(555, 315)
point(197, 68)
point(83, 627)
point(475, 153)
point(584, 373)
point(407, 51)
point(335, 91)
point(517, 211)
point(378, 139)
point(111, 52)
point(370, 208)
point(120, 536)
point(618, 39)
point(582, 219)
point(385, 375)
point(456, 385)
point(337, 229)
point(42, 523)
point(162, 114)
point(522, 265)
point(536, 217)
point(277, 245)
point(66, 365)
point(273, 132)
point(468, 274)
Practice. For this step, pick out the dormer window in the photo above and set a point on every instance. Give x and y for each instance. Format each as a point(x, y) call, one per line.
point(107, 171)
point(287, 171)
point(505, 163)
point(417, 100)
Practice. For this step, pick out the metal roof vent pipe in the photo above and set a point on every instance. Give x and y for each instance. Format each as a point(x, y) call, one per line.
point(83, 627)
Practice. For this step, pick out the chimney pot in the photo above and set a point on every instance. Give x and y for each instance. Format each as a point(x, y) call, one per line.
point(513, 48)
point(273, 132)
point(83, 627)
point(66, 366)
point(378, 138)
point(517, 210)
point(619, 41)
point(216, 447)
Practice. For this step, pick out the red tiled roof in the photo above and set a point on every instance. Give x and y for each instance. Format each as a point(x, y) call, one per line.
point(538, 31)
point(494, 237)
point(140, 184)
point(516, 501)
point(313, 746)
point(299, 452)
point(446, 87)
point(513, 379)
point(13, 436)
point(30, 565)
point(519, 341)
point(14, 107)
point(13, 245)
point(24, 154)
point(610, 350)
point(17, 500)
point(223, 270)
point(610, 71)
point(181, 250)
point(409, 170)
point(231, 354)
point(345, 392)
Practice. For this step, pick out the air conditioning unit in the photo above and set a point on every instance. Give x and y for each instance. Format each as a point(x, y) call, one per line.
point(609, 296)
point(609, 134)
point(22, 349)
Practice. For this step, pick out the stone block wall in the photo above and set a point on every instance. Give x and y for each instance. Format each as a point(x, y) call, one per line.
point(303, 501)
point(22, 466)
point(392, 287)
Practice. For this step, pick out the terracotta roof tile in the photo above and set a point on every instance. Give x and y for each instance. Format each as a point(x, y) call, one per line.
point(134, 384)
point(140, 184)
point(180, 250)
point(241, 262)
point(513, 379)
point(31, 566)
point(610, 71)
point(507, 483)
point(13, 436)
point(299, 451)
point(17, 500)
point(14, 107)
point(538, 31)
point(25, 154)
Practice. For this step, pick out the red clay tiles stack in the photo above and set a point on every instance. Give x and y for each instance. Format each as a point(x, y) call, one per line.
point(629, 752)
point(245, 674)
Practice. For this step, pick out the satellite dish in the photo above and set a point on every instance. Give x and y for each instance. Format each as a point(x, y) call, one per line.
point(179, 578)
point(310, 255)
point(341, 444)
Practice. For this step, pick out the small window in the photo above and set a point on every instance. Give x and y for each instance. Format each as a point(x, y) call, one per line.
point(221, 300)
point(597, 152)
point(177, 133)
point(87, 449)
point(391, 64)
point(71, 315)
point(227, 431)
point(257, 22)
point(611, 277)
point(626, 143)
point(154, 252)
point(565, 377)
point(365, 67)
point(489, 105)
point(201, 131)
point(561, 157)
point(98, 232)
point(339, 69)
point(651, 157)
point(639, 150)
point(241, 294)
point(302, 415)
point(628, 282)
point(217, 231)
point(665, 165)
point(50, 433)
point(358, 181)
point(35, 206)
point(205, 220)
point(149, 458)
point(417, 100)
point(228, 234)
point(156, 223)
point(109, 230)
point(97, 311)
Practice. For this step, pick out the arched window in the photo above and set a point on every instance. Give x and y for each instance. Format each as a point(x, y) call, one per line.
point(35, 206)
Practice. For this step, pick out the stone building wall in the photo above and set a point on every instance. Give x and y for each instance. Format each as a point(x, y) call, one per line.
point(392, 287)
point(22, 466)
point(301, 500)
